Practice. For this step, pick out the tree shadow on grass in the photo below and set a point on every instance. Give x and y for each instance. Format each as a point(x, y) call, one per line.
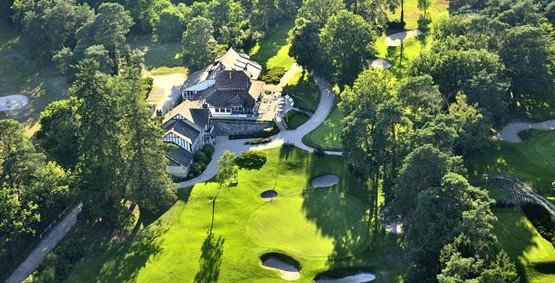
point(210, 259)
point(130, 256)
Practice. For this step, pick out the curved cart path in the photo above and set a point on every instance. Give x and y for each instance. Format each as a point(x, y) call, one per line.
point(510, 131)
point(327, 99)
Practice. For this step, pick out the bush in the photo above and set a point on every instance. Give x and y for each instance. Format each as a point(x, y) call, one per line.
point(541, 219)
point(395, 25)
point(319, 152)
point(251, 159)
point(259, 141)
point(208, 150)
point(273, 75)
point(200, 157)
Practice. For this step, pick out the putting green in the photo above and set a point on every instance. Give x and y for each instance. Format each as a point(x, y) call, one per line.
point(282, 224)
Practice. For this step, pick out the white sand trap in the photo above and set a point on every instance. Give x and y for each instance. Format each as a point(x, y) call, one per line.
point(269, 195)
point(380, 64)
point(324, 181)
point(510, 131)
point(275, 261)
point(13, 102)
point(397, 38)
point(357, 278)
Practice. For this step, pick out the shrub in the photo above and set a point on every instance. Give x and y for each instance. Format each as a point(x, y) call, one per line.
point(273, 75)
point(251, 159)
point(319, 152)
point(200, 157)
point(395, 25)
point(196, 169)
point(209, 150)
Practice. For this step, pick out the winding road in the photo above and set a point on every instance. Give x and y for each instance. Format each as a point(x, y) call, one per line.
point(510, 132)
point(294, 137)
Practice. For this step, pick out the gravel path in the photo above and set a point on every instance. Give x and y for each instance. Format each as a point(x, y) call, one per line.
point(510, 131)
point(294, 137)
point(45, 246)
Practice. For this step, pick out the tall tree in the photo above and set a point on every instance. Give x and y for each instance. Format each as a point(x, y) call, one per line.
point(305, 45)
point(198, 43)
point(227, 17)
point(421, 96)
point(319, 11)
point(347, 41)
point(101, 167)
point(147, 181)
point(170, 25)
point(58, 132)
point(529, 56)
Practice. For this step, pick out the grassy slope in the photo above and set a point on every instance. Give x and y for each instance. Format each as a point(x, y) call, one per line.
point(316, 227)
point(304, 92)
point(22, 72)
point(157, 54)
point(273, 50)
point(532, 161)
point(327, 135)
point(534, 256)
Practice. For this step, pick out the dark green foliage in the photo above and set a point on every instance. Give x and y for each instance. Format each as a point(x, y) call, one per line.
point(541, 218)
point(273, 75)
point(294, 119)
point(200, 161)
point(305, 44)
point(170, 25)
point(251, 159)
point(319, 11)
point(58, 132)
point(198, 42)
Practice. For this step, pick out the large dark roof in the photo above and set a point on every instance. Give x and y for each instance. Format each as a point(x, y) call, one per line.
point(184, 130)
point(230, 98)
point(180, 156)
point(229, 79)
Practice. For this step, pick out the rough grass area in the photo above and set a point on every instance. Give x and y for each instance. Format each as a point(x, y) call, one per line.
point(273, 75)
point(294, 119)
point(160, 71)
point(315, 227)
point(532, 161)
point(158, 54)
point(304, 92)
point(327, 135)
point(534, 256)
point(22, 72)
point(273, 50)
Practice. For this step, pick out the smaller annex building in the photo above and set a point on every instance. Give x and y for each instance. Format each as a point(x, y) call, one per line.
point(226, 89)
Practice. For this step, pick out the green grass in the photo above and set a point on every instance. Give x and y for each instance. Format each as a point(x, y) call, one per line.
point(322, 229)
point(160, 71)
point(328, 134)
point(273, 50)
point(22, 72)
point(157, 54)
point(532, 161)
point(294, 119)
point(534, 256)
point(304, 92)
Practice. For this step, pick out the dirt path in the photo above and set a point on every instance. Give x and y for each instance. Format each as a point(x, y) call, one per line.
point(45, 246)
point(510, 131)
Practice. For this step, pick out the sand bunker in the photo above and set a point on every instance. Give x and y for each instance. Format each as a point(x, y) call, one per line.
point(380, 64)
point(13, 102)
point(348, 276)
point(510, 131)
point(397, 38)
point(269, 195)
point(287, 266)
point(324, 181)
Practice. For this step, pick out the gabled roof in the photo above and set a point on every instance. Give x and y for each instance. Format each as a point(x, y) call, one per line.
point(233, 60)
point(182, 130)
point(181, 156)
point(244, 98)
point(195, 78)
point(191, 111)
point(232, 80)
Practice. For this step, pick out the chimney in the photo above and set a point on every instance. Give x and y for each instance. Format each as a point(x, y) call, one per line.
point(213, 58)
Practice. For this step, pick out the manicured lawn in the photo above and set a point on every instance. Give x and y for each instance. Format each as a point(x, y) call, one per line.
point(532, 161)
point(273, 49)
point(22, 72)
point(327, 135)
point(321, 228)
point(157, 54)
point(534, 256)
point(294, 119)
point(304, 92)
